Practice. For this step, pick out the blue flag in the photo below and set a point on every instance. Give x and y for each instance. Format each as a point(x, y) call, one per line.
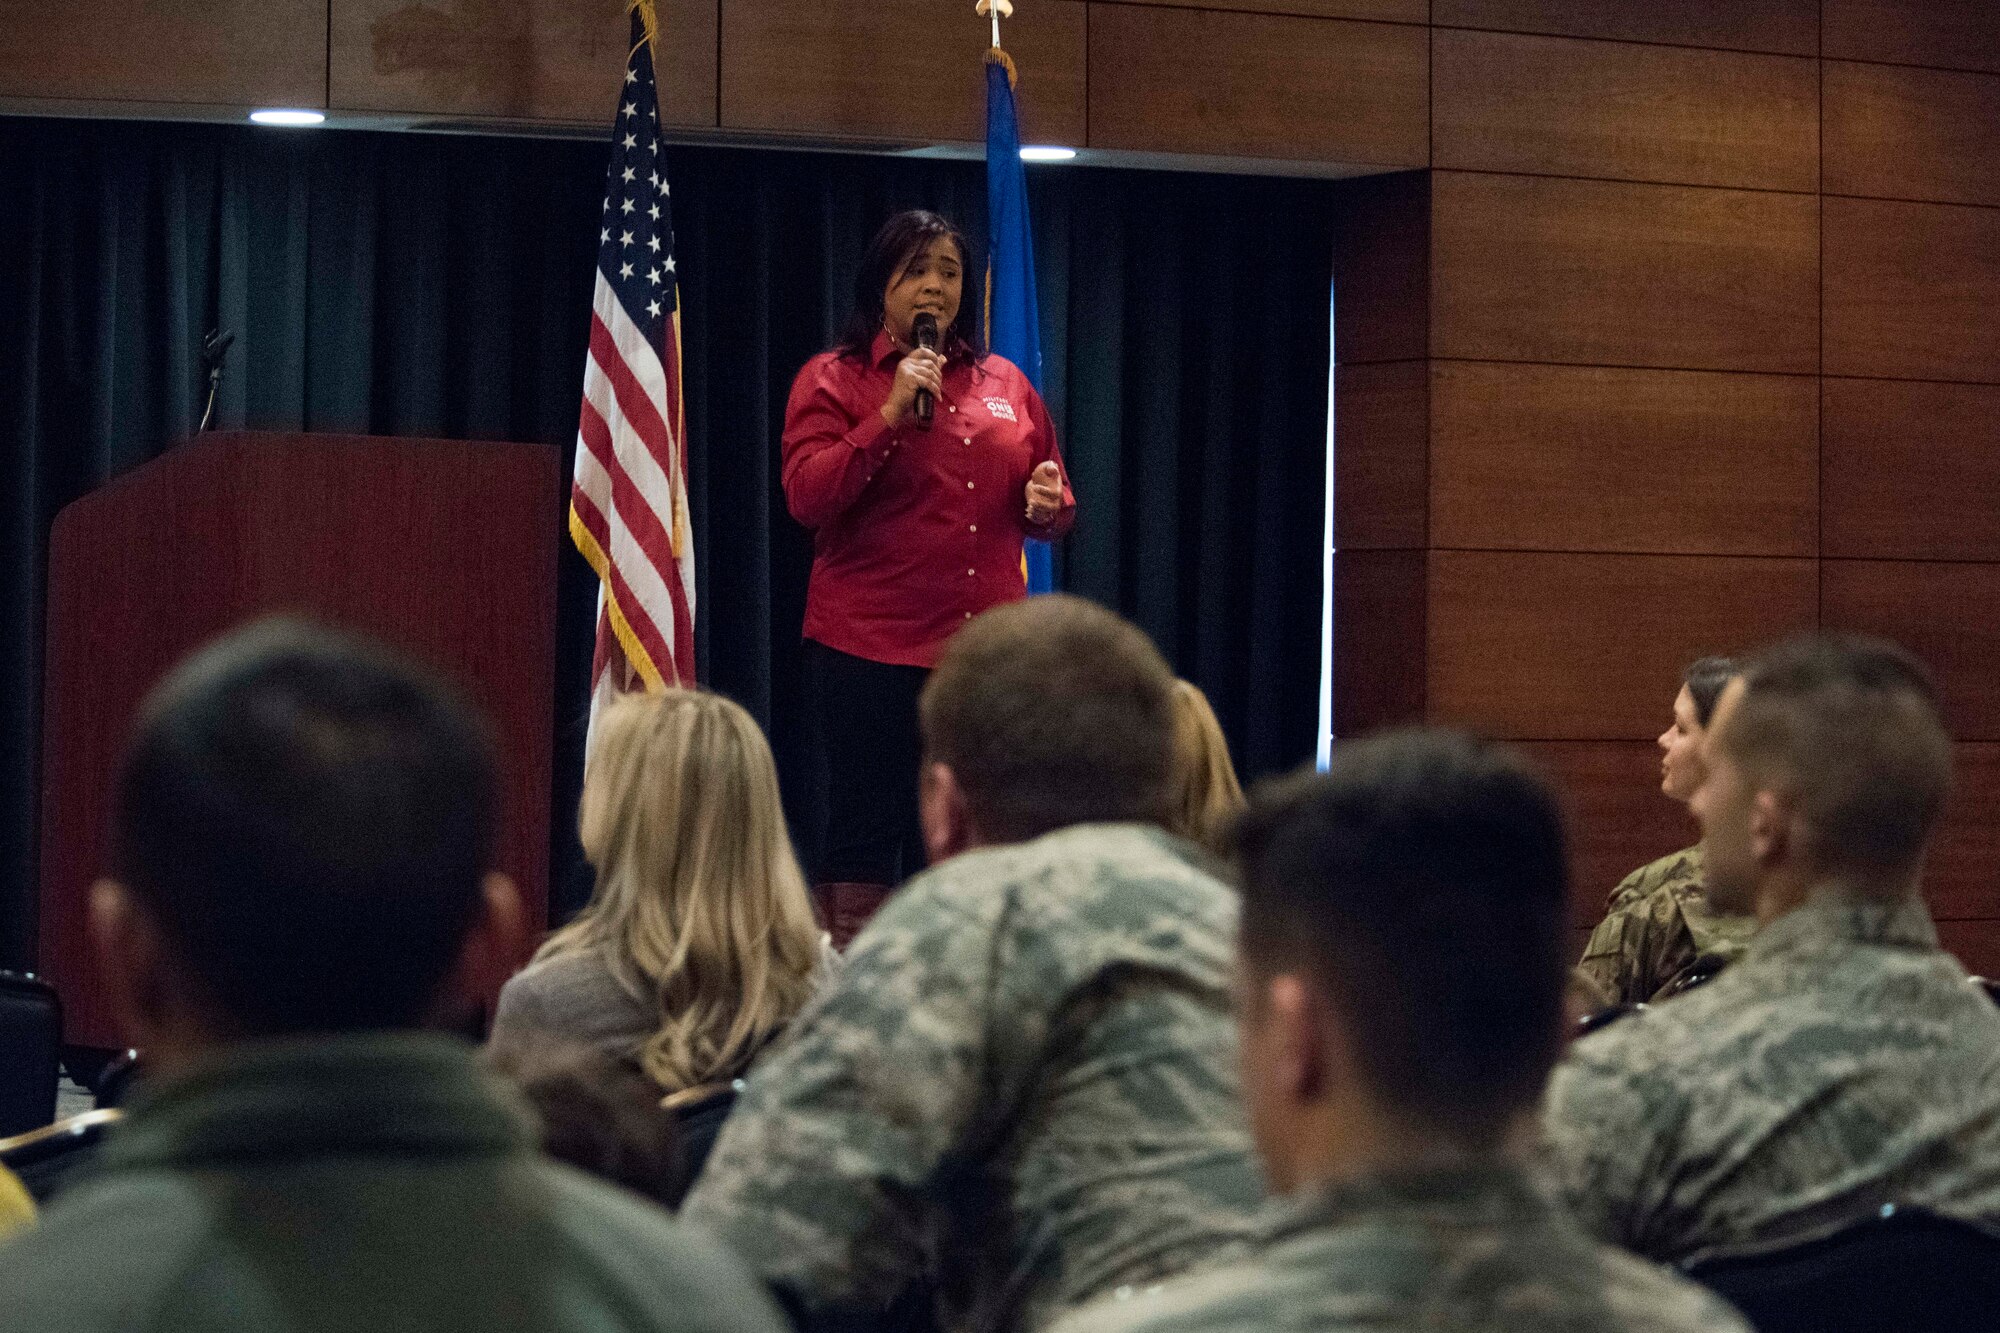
point(1013, 321)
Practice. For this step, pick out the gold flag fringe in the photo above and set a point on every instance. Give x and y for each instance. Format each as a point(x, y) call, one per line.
point(995, 56)
point(649, 19)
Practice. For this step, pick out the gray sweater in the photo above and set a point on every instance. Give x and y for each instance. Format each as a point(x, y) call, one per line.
point(575, 998)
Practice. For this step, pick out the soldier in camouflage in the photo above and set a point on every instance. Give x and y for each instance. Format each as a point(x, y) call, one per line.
point(1401, 974)
point(1021, 1090)
point(1844, 1062)
point(1659, 930)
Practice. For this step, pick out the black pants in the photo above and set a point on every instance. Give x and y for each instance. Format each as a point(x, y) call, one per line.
point(867, 718)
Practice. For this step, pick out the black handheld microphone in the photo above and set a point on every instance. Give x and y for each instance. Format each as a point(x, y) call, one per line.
point(925, 330)
point(214, 348)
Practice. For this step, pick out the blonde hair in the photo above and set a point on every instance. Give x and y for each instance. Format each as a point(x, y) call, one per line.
point(700, 910)
point(1206, 794)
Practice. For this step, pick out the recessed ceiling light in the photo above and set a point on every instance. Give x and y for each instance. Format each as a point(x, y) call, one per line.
point(1046, 153)
point(287, 116)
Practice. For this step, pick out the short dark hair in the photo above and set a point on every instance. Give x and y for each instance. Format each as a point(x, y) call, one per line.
point(1850, 725)
point(599, 1116)
point(309, 820)
point(1705, 679)
point(895, 244)
point(1052, 711)
point(1421, 883)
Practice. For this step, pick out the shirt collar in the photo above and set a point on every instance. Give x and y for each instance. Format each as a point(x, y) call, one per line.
point(883, 349)
point(397, 1091)
point(1833, 917)
point(1497, 1193)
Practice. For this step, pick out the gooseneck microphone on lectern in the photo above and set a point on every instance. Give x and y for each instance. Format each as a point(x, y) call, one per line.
point(925, 330)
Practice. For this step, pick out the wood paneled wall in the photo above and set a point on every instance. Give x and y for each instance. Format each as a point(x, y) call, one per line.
point(1669, 327)
point(1343, 82)
point(1710, 352)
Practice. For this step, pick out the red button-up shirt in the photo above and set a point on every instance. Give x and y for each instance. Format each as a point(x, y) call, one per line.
point(916, 530)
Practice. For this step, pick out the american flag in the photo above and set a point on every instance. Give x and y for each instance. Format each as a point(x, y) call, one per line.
point(628, 503)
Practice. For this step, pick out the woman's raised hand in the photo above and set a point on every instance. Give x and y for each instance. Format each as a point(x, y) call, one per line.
point(921, 369)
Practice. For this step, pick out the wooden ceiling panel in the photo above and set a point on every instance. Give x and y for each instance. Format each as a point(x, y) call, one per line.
point(551, 60)
point(1259, 85)
point(1582, 458)
point(879, 71)
point(226, 52)
point(1556, 106)
point(1947, 614)
point(1912, 290)
point(1911, 469)
point(1529, 268)
point(1901, 133)
point(1787, 26)
point(1945, 34)
point(1591, 647)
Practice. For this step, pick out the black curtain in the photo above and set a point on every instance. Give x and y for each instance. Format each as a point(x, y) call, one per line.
point(409, 284)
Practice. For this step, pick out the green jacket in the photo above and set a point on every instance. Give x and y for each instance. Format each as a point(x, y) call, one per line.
point(367, 1183)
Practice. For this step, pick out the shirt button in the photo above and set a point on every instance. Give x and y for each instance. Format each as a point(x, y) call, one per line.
point(968, 485)
point(973, 528)
point(951, 407)
point(968, 615)
point(968, 439)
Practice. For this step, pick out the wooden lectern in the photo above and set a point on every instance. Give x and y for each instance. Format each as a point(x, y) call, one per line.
point(442, 548)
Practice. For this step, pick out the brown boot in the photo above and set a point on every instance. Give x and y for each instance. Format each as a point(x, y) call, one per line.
point(844, 908)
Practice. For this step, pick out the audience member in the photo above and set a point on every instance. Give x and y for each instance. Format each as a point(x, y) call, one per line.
point(1843, 1063)
point(1021, 1087)
point(1660, 931)
point(1206, 794)
point(600, 1116)
point(1400, 995)
point(303, 830)
point(698, 944)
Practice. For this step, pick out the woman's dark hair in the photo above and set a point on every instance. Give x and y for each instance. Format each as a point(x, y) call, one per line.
point(899, 240)
point(599, 1116)
point(1705, 680)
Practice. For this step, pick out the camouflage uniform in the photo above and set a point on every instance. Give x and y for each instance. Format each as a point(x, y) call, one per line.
point(1842, 1064)
point(1474, 1250)
point(1022, 1086)
point(1657, 927)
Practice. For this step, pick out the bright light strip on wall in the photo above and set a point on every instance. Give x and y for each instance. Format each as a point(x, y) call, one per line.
point(1043, 152)
point(274, 115)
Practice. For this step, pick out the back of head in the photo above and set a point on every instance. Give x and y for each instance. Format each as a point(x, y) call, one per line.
point(1849, 727)
point(599, 1116)
point(309, 819)
point(1206, 793)
point(700, 907)
point(1421, 884)
point(1050, 712)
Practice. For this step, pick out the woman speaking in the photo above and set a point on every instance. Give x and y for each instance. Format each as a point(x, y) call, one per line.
point(920, 462)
